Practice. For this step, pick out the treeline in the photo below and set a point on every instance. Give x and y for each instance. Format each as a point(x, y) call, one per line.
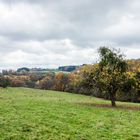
point(24, 70)
point(80, 81)
point(100, 80)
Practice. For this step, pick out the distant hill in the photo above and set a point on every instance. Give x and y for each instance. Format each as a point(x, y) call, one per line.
point(134, 65)
point(68, 68)
point(44, 70)
point(24, 69)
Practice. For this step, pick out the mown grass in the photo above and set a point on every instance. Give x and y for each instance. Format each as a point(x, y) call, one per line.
point(31, 114)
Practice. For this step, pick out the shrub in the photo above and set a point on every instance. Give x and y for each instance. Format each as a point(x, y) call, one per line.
point(4, 81)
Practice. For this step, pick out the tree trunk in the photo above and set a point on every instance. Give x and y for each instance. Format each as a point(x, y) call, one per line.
point(113, 103)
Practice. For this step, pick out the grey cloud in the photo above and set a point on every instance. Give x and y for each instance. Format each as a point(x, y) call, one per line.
point(51, 32)
point(77, 20)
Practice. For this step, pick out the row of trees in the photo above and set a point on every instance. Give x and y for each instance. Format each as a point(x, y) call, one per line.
point(112, 78)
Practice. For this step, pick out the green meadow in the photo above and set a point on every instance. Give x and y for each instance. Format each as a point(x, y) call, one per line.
point(32, 114)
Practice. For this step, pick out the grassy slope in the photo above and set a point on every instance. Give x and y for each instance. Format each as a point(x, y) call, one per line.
point(31, 114)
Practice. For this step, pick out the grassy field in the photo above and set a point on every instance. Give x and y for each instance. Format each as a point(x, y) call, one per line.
point(31, 114)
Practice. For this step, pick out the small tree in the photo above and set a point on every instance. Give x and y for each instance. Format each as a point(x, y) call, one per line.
point(46, 83)
point(111, 71)
point(61, 81)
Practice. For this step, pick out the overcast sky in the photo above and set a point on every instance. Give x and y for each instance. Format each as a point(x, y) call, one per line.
point(50, 33)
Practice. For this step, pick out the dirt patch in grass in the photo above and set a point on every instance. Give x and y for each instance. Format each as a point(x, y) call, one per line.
point(125, 107)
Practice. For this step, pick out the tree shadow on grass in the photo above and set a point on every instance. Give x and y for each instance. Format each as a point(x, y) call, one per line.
point(125, 107)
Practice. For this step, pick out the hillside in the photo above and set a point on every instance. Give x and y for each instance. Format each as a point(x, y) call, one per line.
point(31, 114)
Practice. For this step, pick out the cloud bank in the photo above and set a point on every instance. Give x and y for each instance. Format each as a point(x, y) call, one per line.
point(50, 33)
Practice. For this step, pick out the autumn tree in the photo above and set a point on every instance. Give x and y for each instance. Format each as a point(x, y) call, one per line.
point(46, 83)
point(111, 72)
point(61, 81)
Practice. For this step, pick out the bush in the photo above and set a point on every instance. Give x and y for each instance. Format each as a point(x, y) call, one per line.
point(4, 82)
point(16, 82)
point(46, 83)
